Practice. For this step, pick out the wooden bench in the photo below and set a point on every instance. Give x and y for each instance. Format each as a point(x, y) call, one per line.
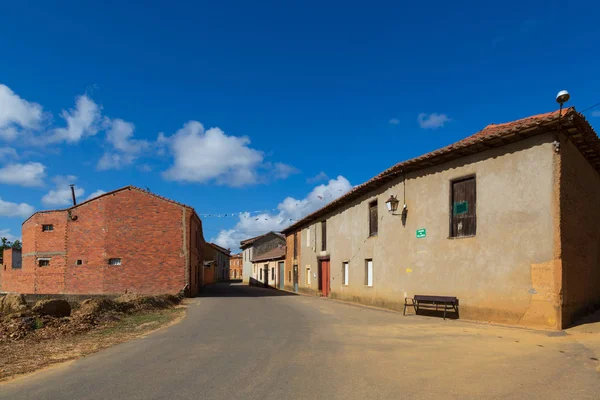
point(428, 302)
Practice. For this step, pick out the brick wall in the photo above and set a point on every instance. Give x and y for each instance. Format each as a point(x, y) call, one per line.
point(289, 260)
point(156, 240)
point(235, 267)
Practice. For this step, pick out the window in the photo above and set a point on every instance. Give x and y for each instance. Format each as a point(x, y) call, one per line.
point(308, 275)
point(273, 274)
point(308, 237)
point(79, 262)
point(289, 276)
point(373, 218)
point(345, 273)
point(323, 235)
point(261, 274)
point(47, 228)
point(295, 245)
point(114, 261)
point(43, 262)
point(369, 273)
point(463, 220)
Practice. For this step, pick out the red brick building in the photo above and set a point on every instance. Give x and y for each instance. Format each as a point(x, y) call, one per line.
point(236, 267)
point(126, 240)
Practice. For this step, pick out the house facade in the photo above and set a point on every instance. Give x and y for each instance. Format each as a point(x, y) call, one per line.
point(125, 240)
point(220, 261)
point(292, 257)
point(270, 267)
point(236, 267)
point(506, 220)
point(254, 251)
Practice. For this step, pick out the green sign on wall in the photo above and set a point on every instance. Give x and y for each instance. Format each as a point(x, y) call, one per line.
point(421, 233)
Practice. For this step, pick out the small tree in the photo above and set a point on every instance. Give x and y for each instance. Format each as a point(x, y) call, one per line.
point(17, 245)
point(6, 244)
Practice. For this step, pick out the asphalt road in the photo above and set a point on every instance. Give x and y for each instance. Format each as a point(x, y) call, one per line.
point(239, 342)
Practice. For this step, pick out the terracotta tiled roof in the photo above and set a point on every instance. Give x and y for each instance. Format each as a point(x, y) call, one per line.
point(248, 242)
point(572, 124)
point(278, 252)
point(108, 194)
point(219, 248)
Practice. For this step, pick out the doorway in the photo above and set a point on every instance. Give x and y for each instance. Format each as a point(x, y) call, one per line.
point(296, 278)
point(324, 277)
point(281, 275)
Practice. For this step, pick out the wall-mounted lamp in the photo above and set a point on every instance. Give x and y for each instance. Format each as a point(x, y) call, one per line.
point(392, 204)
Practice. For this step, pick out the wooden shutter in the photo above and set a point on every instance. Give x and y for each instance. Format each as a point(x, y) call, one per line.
point(323, 235)
point(373, 218)
point(295, 245)
point(463, 221)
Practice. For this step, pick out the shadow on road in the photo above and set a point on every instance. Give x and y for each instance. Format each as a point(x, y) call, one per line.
point(228, 289)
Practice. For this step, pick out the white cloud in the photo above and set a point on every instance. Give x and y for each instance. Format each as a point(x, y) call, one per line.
point(125, 149)
point(61, 194)
point(204, 156)
point(120, 136)
point(321, 176)
point(97, 193)
point(290, 210)
point(9, 209)
point(596, 113)
point(28, 174)
point(432, 121)
point(282, 171)
point(17, 114)
point(6, 233)
point(84, 120)
point(8, 153)
point(114, 161)
point(394, 121)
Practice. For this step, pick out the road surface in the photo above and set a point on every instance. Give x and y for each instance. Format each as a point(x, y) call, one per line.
point(240, 342)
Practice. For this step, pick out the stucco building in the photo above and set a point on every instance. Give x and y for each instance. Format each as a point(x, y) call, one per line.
point(217, 258)
point(125, 240)
point(507, 220)
point(258, 245)
point(269, 267)
point(258, 253)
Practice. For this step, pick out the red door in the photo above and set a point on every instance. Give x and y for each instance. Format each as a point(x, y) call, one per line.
point(325, 277)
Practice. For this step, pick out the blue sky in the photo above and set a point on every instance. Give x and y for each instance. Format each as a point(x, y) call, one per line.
point(246, 106)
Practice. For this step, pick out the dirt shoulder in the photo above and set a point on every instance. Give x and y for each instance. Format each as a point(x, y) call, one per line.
point(56, 340)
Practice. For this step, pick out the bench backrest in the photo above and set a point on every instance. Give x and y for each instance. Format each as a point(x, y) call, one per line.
point(447, 299)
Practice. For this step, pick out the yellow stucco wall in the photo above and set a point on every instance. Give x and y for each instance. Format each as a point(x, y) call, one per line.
point(507, 273)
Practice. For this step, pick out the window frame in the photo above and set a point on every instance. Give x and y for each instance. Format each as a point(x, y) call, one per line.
point(345, 272)
point(117, 261)
point(373, 205)
point(295, 244)
point(451, 233)
point(369, 283)
point(51, 227)
point(45, 260)
point(324, 235)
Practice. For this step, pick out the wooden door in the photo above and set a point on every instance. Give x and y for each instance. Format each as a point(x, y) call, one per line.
point(281, 275)
point(324, 278)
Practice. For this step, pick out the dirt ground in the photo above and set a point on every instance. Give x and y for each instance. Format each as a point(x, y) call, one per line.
point(90, 329)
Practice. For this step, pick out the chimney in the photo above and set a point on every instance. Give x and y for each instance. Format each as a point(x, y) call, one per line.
point(73, 194)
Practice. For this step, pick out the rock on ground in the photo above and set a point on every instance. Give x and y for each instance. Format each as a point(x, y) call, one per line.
point(53, 307)
point(12, 303)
